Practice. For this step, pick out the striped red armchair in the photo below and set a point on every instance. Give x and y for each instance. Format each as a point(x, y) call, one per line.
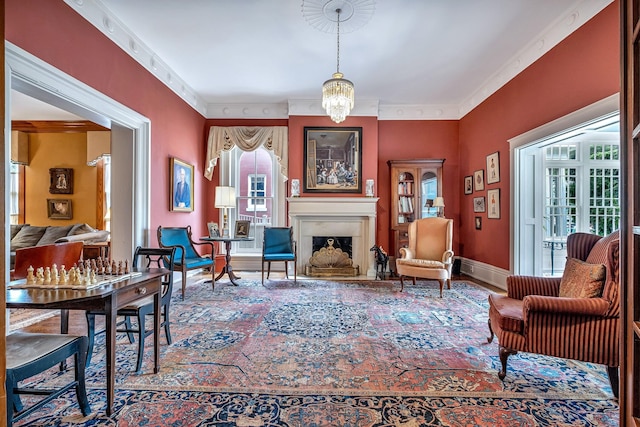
point(533, 317)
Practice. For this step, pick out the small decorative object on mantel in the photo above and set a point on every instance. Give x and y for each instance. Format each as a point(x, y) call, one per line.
point(61, 180)
point(295, 188)
point(369, 188)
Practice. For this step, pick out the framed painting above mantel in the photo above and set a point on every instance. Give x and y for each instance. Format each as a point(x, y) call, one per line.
point(332, 160)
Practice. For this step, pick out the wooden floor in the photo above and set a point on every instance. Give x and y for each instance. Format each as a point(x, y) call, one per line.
point(78, 323)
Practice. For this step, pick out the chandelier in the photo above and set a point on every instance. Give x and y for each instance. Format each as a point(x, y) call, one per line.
point(338, 94)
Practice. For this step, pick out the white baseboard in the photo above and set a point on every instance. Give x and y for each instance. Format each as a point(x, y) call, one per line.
point(487, 273)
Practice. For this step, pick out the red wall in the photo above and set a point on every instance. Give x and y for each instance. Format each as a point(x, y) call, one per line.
point(415, 139)
point(582, 69)
point(53, 32)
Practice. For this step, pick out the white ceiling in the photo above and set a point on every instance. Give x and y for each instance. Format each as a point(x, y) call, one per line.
point(425, 58)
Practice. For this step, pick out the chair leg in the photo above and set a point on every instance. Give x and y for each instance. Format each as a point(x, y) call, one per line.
point(441, 282)
point(141, 334)
point(614, 380)
point(268, 269)
point(448, 283)
point(262, 273)
point(491, 334)
point(184, 282)
point(213, 274)
point(504, 355)
point(401, 282)
point(81, 390)
point(286, 269)
point(127, 325)
point(295, 270)
point(91, 333)
point(167, 331)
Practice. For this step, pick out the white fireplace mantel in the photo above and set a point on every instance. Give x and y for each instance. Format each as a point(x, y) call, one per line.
point(353, 217)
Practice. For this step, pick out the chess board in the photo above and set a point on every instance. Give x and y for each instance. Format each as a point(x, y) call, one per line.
point(102, 280)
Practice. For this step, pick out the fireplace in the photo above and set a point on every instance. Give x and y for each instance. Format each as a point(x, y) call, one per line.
point(353, 217)
point(331, 257)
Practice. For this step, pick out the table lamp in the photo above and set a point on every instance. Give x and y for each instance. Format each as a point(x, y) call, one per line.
point(438, 203)
point(225, 199)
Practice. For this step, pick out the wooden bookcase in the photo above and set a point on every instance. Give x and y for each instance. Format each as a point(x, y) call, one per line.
point(413, 182)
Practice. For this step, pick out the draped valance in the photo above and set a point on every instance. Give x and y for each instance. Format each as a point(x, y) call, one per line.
point(247, 138)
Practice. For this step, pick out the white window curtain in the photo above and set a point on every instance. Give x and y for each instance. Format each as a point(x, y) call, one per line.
point(247, 138)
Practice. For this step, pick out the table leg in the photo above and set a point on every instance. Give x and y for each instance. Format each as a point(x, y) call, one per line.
point(156, 328)
point(110, 326)
point(227, 269)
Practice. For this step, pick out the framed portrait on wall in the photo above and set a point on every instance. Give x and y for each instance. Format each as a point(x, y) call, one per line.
point(59, 209)
point(61, 180)
point(181, 185)
point(332, 160)
point(493, 200)
point(493, 168)
point(478, 180)
point(468, 184)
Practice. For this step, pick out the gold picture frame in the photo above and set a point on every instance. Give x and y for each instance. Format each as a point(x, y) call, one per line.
point(332, 160)
point(181, 185)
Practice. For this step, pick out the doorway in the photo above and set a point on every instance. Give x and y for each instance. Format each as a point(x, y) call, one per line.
point(572, 165)
point(130, 141)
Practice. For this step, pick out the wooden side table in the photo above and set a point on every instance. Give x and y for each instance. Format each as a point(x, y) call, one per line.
point(96, 250)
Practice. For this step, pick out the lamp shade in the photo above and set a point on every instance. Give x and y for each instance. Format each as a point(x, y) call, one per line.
point(438, 202)
point(225, 197)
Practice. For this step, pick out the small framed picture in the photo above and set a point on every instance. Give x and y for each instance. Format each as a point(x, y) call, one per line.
point(493, 168)
point(214, 231)
point(478, 204)
point(468, 184)
point(493, 199)
point(61, 180)
point(59, 209)
point(478, 223)
point(478, 180)
point(242, 228)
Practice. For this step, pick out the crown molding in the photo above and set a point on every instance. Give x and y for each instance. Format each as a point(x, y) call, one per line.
point(95, 13)
point(105, 21)
point(580, 13)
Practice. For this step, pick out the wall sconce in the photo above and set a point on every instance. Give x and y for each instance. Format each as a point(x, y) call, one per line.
point(225, 199)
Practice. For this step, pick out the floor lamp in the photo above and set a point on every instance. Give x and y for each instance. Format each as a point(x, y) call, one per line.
point(225, 199)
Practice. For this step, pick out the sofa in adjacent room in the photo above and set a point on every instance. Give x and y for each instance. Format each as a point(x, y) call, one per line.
point(26, 235)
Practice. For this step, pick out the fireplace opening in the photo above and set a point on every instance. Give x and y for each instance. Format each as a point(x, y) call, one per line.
point(331, 257)
point(343, 243)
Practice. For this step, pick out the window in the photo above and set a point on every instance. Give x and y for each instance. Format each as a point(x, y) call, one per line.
point(256, 200)
point(260, 194)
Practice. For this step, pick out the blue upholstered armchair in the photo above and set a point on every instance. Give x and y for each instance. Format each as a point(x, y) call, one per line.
point(187, 257)
point(278, 245)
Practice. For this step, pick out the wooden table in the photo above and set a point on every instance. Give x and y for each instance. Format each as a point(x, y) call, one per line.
point(108, 299)
point(227, 259)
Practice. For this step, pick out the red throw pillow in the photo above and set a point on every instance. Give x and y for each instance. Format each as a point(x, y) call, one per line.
point(582, 280)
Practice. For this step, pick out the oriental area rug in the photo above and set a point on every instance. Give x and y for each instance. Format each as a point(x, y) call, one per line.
point(328, 353)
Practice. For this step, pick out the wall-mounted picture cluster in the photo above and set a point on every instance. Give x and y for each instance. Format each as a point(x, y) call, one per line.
point(476, 182)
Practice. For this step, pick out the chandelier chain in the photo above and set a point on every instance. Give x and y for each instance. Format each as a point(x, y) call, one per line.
point(338, 49)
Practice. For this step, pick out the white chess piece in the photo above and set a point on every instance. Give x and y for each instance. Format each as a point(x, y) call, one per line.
point(31, 278)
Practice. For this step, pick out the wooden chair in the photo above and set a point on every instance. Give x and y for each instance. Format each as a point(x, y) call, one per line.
point(278, 245)
point(29, 354)
point(533, 318)
point(66, 254)
point(142, 308)
point(430, 254)
point(187, 257)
